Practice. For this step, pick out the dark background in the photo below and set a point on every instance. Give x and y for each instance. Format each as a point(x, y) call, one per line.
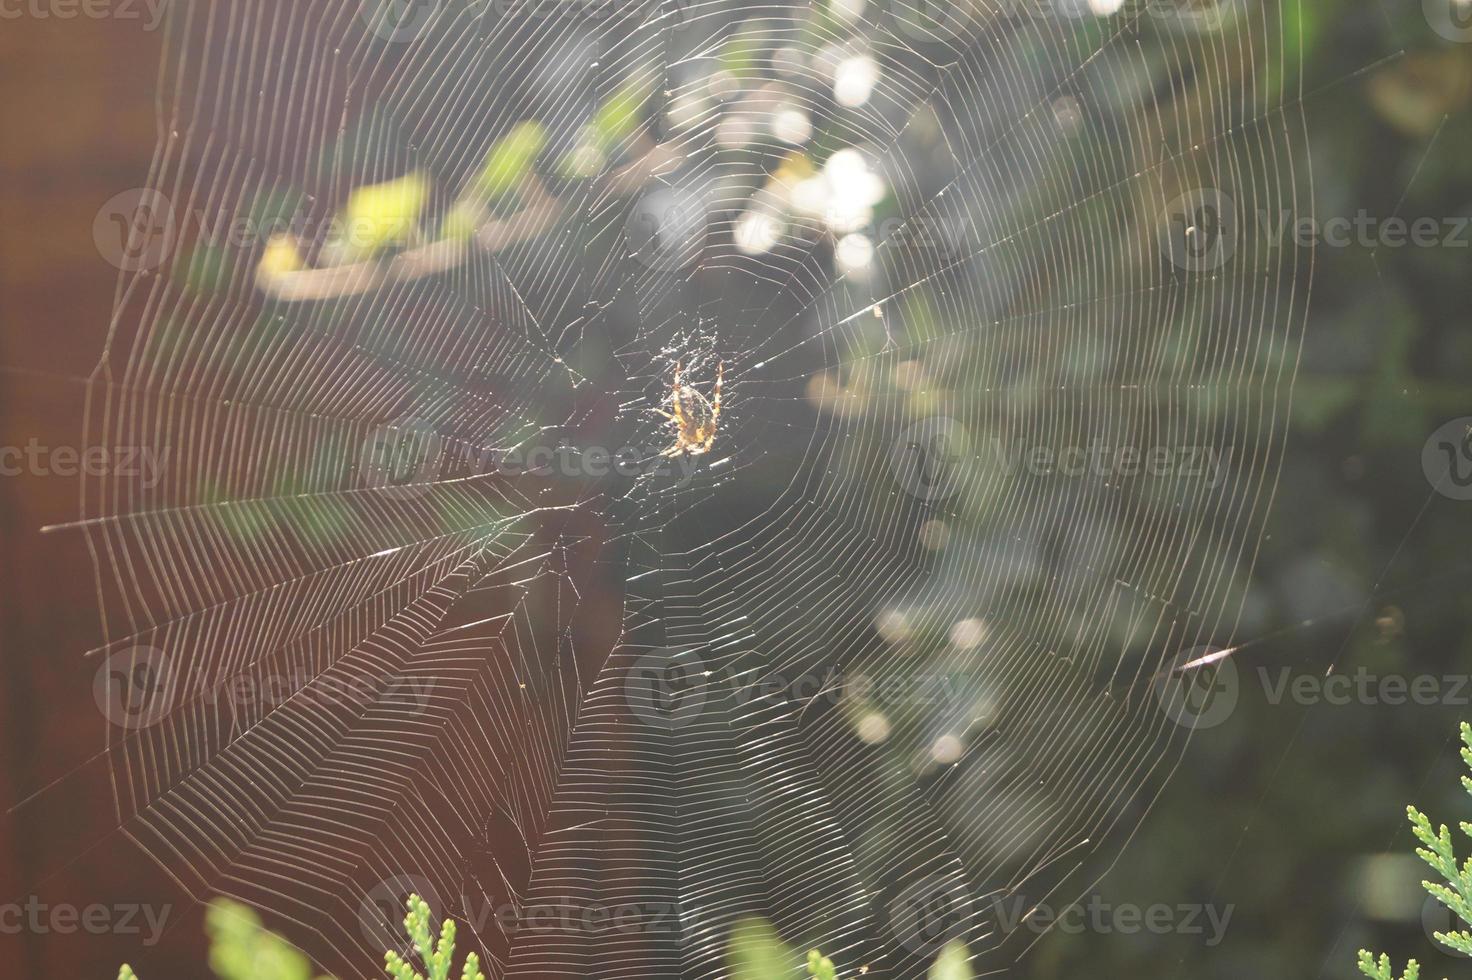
point(79, 115)
point(1285, 813)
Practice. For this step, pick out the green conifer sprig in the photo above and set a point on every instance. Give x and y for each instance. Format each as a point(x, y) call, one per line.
point(1381, 969)
point(438, 957)
point(1454, 891)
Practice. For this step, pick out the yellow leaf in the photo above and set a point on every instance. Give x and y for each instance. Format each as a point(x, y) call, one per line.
point(380, 215)
point(281, 256)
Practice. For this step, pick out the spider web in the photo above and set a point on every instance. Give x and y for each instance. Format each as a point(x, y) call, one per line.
point(852, 671)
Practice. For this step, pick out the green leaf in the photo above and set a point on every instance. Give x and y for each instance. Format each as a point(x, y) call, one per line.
point(953, 963)
point(756, 952)
point(821, 967)
point(512, 158)
point(281, 256)
point(611, 126)
point(240, 949)
point(618, 117)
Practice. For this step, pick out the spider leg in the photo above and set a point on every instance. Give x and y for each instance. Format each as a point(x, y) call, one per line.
point(660, 411)
point(674, 450)
point(716, 408)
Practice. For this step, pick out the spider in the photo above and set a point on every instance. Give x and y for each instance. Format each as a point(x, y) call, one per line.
point(694, 417)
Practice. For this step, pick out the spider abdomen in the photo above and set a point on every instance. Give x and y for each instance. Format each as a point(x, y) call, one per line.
point(694, 416)
point(694, 409)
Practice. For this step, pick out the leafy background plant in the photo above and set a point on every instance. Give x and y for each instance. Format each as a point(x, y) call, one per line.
point(242, 949)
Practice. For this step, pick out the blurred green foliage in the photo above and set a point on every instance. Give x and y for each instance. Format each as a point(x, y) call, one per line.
point(755, 951)
point(241, 948)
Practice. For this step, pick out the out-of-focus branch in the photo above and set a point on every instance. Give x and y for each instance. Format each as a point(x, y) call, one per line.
point(279, 273)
